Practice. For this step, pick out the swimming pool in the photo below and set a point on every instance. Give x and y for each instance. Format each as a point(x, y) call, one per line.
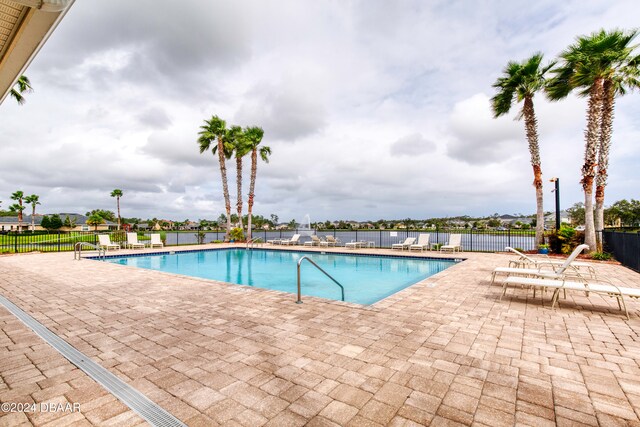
point(366, 278)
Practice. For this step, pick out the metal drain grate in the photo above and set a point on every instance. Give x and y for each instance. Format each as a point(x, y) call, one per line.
point(128, 395)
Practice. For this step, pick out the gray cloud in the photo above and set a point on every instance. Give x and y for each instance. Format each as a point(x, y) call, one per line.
point(286, 112)
point(154, 117)
point(412, 145)
point(349, 95)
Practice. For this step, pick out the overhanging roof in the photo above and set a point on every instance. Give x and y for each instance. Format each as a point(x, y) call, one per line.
point(25, 25)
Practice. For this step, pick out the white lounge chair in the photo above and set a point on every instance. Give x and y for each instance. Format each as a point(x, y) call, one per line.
point(586, 285)
point(132, 241)
point(104, 241)
point(406, 244)
point(354, 244)
point(526, 261)
point(274, 241)
point(454, 244)
point(156, 241)
point(545, 271)
point(422, 244)
point(294, 240)
point(315, 241)
point(330, 241)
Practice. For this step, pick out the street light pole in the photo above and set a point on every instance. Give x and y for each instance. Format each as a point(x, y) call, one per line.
point(557, 191)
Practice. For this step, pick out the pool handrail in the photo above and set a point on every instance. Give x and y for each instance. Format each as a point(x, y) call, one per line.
point(77, 250)
point(299, 301)
point(253, 241)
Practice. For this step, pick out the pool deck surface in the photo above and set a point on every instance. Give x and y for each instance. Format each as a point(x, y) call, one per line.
point(445, 351)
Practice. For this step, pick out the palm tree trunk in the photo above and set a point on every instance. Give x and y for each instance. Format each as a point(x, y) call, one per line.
point(118, 203)
point(592, 137)
point(531, 127)
point(239, 188)
point(252, 186)
point(225, 187)
point(33, 220)
point(603, 158)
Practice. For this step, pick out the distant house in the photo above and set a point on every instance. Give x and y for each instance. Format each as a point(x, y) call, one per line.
point(550, 219)
point(79, 222)
point(190, 225)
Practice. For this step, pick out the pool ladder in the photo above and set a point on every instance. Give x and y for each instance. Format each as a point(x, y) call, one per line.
point(77, 250)
point(299, 301)
point(252, 242)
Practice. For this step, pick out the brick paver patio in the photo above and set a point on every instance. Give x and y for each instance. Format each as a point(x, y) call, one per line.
point(444, 352)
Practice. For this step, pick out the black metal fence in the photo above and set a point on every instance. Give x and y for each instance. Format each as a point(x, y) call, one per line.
point(625, 247)
point(472, 240)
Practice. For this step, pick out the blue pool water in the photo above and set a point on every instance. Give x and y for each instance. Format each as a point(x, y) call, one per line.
point(366, 279)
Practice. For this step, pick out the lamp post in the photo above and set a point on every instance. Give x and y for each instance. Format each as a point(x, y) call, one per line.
point(557, 191)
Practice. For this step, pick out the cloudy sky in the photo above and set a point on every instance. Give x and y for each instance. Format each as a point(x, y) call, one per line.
point(372, 109)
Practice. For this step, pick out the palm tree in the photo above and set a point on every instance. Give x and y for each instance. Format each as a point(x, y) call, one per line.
point(22, 85)
point(95, 220)
point(586, 65)
point(32, 200)
point(214, 136)
point(254, 136)
point(241, 148)
point(624, 73)
point(18, 207)
point(520, 82)
point(117, 193)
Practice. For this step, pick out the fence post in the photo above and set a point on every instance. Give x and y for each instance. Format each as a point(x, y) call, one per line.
point(15, 242)
point(58, 240)
point(177, 238)
point(471, 240)
point(509, 236)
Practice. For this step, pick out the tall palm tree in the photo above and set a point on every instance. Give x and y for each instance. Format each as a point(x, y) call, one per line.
point(254, 136)
point(32, 200)
point(117, 193)
point(241, 148)
point(623, 76)
point(22, 85)
point(214, 136)
point(520, 82)
point(18, 207)
point(587, 65)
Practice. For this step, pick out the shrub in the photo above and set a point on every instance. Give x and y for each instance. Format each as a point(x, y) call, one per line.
point(601, 256)
point(237, 234)
point(563, 241)
point(200, 235)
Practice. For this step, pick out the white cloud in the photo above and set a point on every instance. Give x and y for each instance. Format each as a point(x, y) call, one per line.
point(370, 110)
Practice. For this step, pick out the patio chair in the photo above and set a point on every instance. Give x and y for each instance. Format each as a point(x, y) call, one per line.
point(294, 240)
point(526, 261)
point(156, 241)
point(104, 241)
point(454, 244)
point(586, 285)
point(315, 241)
point(422, 244)
point(132, 241)
point(406, 244)
point(274, 241)
point(354, 244)
point(330, 241)
point(544, 271)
